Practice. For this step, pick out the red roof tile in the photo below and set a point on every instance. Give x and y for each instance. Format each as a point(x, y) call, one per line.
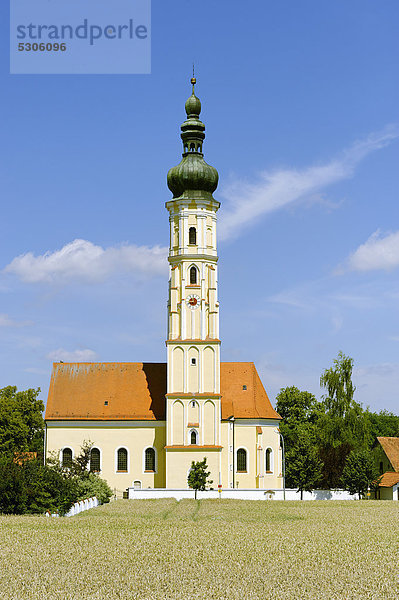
point(390, 445)
point(389, 479)
point(136, 391)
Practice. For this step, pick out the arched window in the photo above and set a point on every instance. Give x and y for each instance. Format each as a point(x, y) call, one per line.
point(67, 457)
point(150, 460)
point(193, 275)
point(269, 460)
point(122, 459)
point(241, 460)
point(194, 438)
point(95, 460)
point(192, 236)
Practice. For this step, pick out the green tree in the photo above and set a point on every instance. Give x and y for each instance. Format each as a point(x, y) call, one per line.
point(303, 466)
point(93, 485)
point(21, 421)
point(31, 487)
point(300, 412)
point(359, 472)
point(337, 380)
point(344, 425)
point(296, 406)
point(384, 424)
point(87, 484)
point(198, 476)
point(12, 487)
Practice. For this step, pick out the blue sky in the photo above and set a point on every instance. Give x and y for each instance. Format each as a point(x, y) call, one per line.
point(300, 106)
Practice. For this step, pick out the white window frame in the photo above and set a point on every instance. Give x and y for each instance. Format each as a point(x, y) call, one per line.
point(236, 463)
point(116, 459)
point(193, 430)
point(198, 275)
point(101, 458)
point(156, 460)
point(271, 460)
point(61, 453)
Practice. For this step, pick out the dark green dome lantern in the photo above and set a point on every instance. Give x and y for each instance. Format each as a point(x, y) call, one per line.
point(193, 177)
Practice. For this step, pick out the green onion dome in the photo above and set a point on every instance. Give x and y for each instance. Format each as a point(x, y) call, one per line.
point(193, 174)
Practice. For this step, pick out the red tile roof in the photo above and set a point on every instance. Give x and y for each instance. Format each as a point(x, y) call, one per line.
point(136, 391)
point(389, 479)
point(390, 445)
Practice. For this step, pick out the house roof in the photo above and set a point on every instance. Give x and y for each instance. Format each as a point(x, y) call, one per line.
point(390, 445)
point(389, 479)
point(136, 391)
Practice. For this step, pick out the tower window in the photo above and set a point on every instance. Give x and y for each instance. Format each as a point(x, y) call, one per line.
point(244, 387)
point(122, 459)
point(192, 236)
point(194, 438)
point(95, 460)
point(150, 460)
point(193, 276)
point(193, 403)
point(193, 362)
point(241, 460)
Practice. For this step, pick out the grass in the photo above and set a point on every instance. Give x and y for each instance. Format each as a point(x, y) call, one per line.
point(203, 550)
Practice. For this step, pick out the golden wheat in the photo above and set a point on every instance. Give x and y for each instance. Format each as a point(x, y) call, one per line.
point(208, 549)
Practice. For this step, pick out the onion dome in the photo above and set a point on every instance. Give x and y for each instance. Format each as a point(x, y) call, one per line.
point(193, 177)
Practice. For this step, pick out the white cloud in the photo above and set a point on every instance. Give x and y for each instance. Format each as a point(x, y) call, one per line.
point(378, 252)
point(247, 201)
point(83, 261)
point(6, 321)
point(80, 355)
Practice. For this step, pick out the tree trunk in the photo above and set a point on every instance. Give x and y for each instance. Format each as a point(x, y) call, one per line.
point(301, 494)
point(195, 494)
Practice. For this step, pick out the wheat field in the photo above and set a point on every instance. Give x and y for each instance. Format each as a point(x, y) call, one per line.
point(206, 549)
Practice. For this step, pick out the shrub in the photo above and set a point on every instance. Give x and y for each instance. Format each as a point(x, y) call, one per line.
point(93, 485)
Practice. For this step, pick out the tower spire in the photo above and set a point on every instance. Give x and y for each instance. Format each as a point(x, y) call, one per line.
point(193, 177)
point(193, 80)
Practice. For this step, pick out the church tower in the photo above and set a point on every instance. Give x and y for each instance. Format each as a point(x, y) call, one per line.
point(193, 347)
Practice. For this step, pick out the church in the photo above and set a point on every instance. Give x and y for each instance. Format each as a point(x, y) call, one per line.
point(148, 421)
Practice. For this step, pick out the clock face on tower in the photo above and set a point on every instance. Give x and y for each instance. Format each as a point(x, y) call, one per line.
point(193, 301)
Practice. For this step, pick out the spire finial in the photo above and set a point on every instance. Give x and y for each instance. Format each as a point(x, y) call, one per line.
point(193, 80)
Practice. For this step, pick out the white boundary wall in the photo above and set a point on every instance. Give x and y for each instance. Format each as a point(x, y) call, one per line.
point(240, 494)
point(81, 506)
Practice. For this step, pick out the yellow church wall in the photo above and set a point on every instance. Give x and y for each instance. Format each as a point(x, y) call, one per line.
point(178, 369)
point(183, 418)
point(246, 437)
point(178, 463)
point(184, 377)
point(108, 439)
point(209, 422)
point(193, 375)
point(178, 422)
point(209, 369)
